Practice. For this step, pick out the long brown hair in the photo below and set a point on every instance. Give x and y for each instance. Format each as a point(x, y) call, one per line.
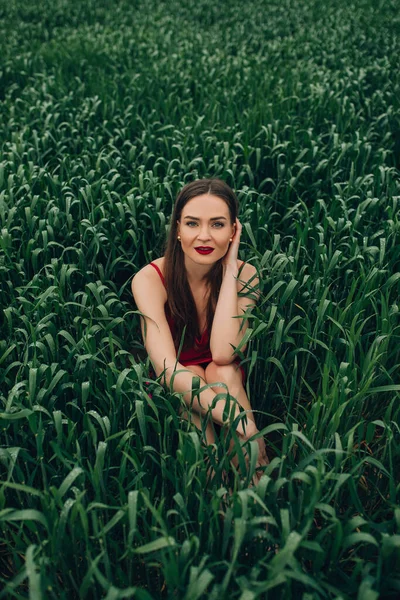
point(180, 301)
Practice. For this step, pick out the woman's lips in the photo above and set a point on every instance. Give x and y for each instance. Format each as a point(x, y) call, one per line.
point(204, 250)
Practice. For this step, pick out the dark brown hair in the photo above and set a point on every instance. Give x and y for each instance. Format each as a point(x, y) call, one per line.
point(180, 301)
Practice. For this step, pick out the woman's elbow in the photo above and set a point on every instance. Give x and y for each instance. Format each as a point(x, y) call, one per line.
point(220, 361)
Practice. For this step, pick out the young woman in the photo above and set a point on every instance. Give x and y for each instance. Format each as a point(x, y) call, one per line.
point(200, 283)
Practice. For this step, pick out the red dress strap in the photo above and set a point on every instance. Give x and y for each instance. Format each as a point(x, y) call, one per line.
point(159, 272)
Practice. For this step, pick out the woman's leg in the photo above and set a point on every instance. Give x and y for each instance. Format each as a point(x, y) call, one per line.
point(195, 417)
point(232, 377)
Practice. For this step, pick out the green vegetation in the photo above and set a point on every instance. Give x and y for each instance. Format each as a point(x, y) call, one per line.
point(106, 110)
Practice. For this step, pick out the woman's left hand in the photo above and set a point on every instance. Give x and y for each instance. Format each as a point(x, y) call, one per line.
point(231, 256)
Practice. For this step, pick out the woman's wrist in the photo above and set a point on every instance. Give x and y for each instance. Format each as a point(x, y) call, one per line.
point(230, 269)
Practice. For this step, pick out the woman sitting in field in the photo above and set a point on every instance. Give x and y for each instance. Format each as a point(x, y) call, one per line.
point(197, 285)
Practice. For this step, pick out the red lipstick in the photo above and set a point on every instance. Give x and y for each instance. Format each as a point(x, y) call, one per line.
point(204, 249)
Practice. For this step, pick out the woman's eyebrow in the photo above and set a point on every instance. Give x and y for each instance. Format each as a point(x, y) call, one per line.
point(212, 218)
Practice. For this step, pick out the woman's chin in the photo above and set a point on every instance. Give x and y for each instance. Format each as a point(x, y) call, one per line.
point(202, 259)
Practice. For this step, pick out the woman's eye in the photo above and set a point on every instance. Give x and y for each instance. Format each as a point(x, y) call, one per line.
point(218, 224)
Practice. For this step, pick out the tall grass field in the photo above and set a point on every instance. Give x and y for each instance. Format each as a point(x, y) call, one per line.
point(107, 108)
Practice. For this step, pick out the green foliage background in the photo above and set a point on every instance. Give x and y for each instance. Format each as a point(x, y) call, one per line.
point(106, 110)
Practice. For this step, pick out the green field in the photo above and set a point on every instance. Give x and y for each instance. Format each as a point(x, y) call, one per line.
point(106, 110)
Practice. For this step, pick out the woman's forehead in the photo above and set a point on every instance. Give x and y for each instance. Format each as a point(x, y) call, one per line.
point(205, 206)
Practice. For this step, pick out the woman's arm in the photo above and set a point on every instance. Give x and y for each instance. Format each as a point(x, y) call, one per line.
point(228, 328)
point(150, 297)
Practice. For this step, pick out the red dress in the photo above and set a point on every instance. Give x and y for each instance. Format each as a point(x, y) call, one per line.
point(200, 356)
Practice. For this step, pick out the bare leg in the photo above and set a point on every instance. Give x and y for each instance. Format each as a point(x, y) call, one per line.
point(232, 377)
point(195, 417)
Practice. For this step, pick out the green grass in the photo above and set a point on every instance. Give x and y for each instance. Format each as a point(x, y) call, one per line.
point(106, 110)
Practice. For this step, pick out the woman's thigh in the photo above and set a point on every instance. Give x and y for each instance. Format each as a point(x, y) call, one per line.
point(196, 417)
point(231, 375)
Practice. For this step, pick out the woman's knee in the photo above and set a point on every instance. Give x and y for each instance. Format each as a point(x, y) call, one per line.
point(228, 374)
point(194, 416)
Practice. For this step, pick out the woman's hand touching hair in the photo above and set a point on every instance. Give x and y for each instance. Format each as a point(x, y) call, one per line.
point(231, 257)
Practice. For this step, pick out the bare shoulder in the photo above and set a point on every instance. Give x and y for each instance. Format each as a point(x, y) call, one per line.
point(148, 270)
point(247, 271)
point(148, 280)
point(247, 278)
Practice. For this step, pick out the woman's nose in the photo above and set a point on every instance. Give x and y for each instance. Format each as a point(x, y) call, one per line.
point(204, 234)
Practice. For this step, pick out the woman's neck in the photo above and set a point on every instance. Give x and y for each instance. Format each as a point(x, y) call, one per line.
point(196, 273)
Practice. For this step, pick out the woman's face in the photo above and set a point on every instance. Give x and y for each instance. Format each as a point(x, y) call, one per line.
point(205, 224)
